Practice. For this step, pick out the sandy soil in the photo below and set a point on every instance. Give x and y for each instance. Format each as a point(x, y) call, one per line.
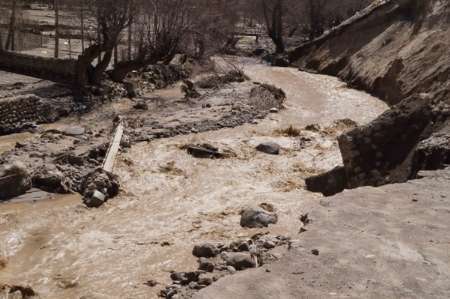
point(171, 201)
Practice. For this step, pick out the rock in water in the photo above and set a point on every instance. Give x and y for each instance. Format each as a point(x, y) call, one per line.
point(257, 218)
point(131, 89)
point(74, 131)
point(50, 179)
point(239, 260)
point(14, 181)
point(270, 148)
point(205, 250)
point(98, 187)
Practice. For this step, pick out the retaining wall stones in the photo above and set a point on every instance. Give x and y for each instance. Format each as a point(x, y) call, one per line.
point(21, 111)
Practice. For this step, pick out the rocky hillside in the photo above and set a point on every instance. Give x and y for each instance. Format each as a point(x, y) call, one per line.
point(399, 51)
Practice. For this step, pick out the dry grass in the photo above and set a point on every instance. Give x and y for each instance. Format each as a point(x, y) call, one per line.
point(3, 263)
point(290, 131)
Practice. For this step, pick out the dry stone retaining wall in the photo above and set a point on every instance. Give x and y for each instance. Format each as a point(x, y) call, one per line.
point(16, 112)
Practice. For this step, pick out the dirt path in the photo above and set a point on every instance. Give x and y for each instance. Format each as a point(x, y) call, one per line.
point(171, 201)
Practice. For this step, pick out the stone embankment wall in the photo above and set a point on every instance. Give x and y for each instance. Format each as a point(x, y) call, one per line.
point(398, 51)
point(16, 113)
point(57, 70)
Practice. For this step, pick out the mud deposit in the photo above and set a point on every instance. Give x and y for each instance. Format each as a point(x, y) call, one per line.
point(171, 201)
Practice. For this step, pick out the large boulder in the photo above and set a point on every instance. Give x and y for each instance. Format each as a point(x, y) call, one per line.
point(266, 97)
point(434, 152)
point(328, 183)
point(14, 181)
point(381, 151)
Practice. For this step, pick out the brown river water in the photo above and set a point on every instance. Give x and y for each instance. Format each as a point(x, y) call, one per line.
point(171, 201)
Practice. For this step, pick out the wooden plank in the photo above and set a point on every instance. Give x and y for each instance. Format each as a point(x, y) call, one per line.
point(108, 163)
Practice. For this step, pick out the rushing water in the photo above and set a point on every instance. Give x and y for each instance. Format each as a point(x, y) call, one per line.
point(171, 200)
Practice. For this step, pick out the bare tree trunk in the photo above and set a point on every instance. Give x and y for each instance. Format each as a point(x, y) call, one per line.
point(82, 25)
point(56, 8)
point(10, 40)
point(274, 23)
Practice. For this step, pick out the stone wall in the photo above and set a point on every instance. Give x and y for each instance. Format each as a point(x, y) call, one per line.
point(57, 70)
point(19, 112)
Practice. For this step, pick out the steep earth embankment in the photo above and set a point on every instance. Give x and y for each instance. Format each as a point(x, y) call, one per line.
point(399, 51)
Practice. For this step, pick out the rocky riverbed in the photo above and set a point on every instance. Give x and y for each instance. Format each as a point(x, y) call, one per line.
point(170, 200)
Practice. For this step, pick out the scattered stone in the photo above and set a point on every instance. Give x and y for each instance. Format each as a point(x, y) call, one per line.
point(50, 179)
point(216, 81)
point(205, 281)
point(169, 292)
point(269, 244)
point(267, 206)
point(14, 181)
point(315, 251)
point(205, 250)
point(239, 260)
point(189, 90)
point(184, 278)
point(231, 269)
point(274, 110)
point(302, 230)
point(95, 200)
point(205, 265)
point(204, 151)
point(280, 60)
point(270, 148)
point(98, 187)
point(151, 283)
point(17, 291)
point(239, 246)
point(304, 218)
point(257, 218)
point(74, 131)
point(141, 105)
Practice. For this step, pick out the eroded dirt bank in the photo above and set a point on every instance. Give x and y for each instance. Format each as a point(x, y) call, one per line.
point(171, 201)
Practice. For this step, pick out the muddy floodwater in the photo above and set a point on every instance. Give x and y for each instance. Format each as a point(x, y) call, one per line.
point(171, 201)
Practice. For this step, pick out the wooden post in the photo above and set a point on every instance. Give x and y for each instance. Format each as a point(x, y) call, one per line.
point(108, 163)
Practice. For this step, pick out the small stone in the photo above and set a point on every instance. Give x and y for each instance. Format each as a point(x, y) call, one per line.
point(231, 269)
point(257, 218)
point(205, 281)
point(239, 260)
point(274, 110)
point(205, 265)
point(315, 251)
point(141, 105)
point(269, 245)
point(270, 148)
point(74, 131)
point(205, 250)
point(95, 200)
point(204, 151)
